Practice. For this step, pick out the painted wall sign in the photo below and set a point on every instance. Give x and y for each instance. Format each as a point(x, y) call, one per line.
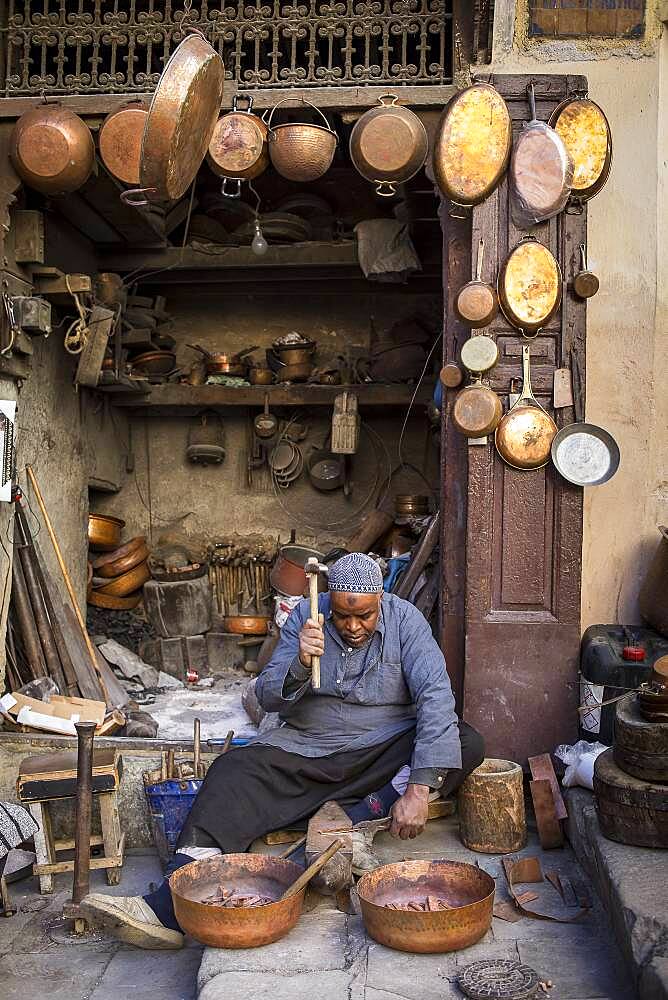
point(586, 18)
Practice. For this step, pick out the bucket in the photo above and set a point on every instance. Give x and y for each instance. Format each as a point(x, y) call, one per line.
point(169, 805)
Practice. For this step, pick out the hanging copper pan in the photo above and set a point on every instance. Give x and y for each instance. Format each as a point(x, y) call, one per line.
point(472, 146)
point(238, 148)
point(388, 145)
point(541, 172)
point(477, 410)
point(585, 132)
point(52, 149)
point(529, 286)
point(524, 435)
point(120, 139)
point(180, 122)
point(476, 303)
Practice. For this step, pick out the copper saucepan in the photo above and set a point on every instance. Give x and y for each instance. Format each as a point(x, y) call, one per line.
point(476, 303)
point(524, 435)
point(235, 365)
point(120, 139)
point(477, 410)
point(238, 148)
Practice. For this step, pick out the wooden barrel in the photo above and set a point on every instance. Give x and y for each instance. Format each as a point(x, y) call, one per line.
point(629, 810)
point(491, 808)
point(641, 747)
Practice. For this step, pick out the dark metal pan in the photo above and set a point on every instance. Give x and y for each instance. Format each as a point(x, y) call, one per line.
point(584, 454)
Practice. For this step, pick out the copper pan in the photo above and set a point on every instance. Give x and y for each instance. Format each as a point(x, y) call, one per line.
point(246, 624)
point(120, 139)
point(130, 581)
point(476, 303)
point(245, 927)
point(529, 286)
point(541, 172)
point(525, 433)
point(238, 148)
point(126, 560)
point(468, 890)
point(181, 119)
point(477, 410)
point(585, 132)
point(100, 600)
point(472, 145)
point(388, 145)
point(104, 532)
point(109, 557)
point(52, 149)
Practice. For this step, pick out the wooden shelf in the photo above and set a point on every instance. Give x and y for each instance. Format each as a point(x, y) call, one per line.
point(175, 397)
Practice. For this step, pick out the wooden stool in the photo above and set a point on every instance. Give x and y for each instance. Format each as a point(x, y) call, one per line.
point(48, 777)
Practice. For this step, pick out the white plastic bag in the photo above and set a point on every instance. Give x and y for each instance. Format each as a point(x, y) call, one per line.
point(579, 759)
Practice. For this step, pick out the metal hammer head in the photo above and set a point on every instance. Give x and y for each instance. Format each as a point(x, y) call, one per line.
point(313, 566)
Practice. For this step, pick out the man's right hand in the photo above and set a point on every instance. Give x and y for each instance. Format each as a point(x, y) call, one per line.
point(311, 642)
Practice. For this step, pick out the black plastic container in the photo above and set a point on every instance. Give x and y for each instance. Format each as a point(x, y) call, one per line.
point(608, 669)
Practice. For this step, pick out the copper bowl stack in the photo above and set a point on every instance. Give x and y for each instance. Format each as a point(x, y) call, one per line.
point(467, 890)
point(244, 927)
point(119, 575)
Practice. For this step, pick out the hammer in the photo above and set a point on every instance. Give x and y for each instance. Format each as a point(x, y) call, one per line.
point(312, 569)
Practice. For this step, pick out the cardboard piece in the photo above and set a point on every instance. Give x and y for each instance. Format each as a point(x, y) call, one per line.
point(58, 708)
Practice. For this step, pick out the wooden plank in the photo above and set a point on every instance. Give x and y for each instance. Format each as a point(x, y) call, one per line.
point(87, 680)
point(99, 327)
point(541, 767)
point(96, 106)
point(302, 255)
point(550, 833)
point(56, 287)
point(28, 236)
point(176, 395)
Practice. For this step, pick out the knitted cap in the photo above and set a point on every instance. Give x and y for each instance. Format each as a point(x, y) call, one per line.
point(356, 574)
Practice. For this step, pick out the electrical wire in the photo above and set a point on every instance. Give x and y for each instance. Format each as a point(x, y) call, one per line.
point(137, 275)
point(413, 398)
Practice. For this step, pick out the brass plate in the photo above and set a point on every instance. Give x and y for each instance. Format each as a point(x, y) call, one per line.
point(530, 286)
point(585, 132)
point(472, 145)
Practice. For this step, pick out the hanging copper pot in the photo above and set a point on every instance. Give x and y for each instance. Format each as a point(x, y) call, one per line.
point(477, 410)
point(585, 132)
point(181, 119)
point(388, 145)
point(529, 286)
point(525, 433)
point(238, 148)
point(541, 172)
point(52, 149)
point(120, 139)
point(476, 303)
point(301, 151)
point(472, 146)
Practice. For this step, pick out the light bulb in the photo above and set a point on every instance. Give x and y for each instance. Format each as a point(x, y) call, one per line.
point(259, 246)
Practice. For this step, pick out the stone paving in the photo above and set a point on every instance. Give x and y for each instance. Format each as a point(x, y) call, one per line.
point(328, 955)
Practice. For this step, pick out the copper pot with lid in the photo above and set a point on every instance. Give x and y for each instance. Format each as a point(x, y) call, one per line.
point(52, 149)
point(238, 148)
point(388, 145)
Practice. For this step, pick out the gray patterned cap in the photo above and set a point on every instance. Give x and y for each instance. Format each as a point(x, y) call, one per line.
point(356, 573)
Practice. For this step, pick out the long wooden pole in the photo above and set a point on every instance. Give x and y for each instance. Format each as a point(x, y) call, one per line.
point(66, 578)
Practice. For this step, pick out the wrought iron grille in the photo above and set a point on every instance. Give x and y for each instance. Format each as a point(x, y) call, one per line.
point(103, 46)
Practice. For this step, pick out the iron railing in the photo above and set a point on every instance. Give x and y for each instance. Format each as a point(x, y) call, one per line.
point(116, 46)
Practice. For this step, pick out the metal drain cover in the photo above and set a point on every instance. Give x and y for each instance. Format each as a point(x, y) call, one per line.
point(499, 979)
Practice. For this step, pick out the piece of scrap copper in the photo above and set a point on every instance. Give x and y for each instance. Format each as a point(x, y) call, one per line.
point(525, 871)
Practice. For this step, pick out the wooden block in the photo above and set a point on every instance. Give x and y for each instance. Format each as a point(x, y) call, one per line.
point(97, 337)
point(549, 828)
point(282, 837)
point(54, 286)
point(562, 388)
point(28, 229)
point(541, 767)
point(441, 807)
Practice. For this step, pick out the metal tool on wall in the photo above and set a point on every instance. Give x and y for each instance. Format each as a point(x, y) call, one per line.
point(301, 151)
point(584, 454)
point(524, 435)
point(346, 423)
point(52, 149)
point(585, 282)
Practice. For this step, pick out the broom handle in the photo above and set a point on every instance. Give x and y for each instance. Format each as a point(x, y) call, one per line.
point(66, 578)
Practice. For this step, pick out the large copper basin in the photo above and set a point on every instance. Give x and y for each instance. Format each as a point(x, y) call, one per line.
point(246, 927)
point(468, 890)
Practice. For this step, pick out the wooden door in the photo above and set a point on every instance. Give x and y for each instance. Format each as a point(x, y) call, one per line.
point(512, 540)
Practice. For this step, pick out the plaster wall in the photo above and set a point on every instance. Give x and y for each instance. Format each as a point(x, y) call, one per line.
point(166, 491)
point(627, 347)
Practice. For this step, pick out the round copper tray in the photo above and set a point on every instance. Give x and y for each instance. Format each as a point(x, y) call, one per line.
point(468, 890)
point(100, 600)
point(246, 927)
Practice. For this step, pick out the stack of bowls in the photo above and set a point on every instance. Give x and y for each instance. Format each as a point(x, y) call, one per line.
point(286, 463)
point(120, 573)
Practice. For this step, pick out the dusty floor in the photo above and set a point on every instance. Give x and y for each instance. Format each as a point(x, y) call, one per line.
point(327, 955)
point(218, 708)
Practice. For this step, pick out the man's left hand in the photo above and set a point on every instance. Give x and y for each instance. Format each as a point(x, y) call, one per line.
point(409, 813)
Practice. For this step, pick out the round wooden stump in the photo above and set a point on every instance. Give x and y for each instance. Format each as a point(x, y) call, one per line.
point(491, 808)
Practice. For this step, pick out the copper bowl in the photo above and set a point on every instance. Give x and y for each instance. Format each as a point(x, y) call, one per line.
point(245, 927)
point(100, 600)
point(246, 624)
point(469, 890)
point(104, 532)
point(127, 583)
point(119, 561)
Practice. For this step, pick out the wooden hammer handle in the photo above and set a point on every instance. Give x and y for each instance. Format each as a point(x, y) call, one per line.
point(313, 596)
point(313, 870)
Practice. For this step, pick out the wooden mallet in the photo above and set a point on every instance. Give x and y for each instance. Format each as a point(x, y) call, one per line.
point(312, 569)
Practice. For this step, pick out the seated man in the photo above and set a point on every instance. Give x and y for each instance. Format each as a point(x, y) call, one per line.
point(384, 701)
